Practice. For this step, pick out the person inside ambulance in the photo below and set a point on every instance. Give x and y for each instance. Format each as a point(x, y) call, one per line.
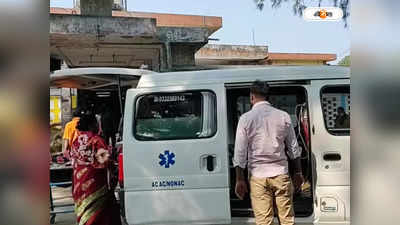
point(108, 124)
point(342, 119)
point(70, 132)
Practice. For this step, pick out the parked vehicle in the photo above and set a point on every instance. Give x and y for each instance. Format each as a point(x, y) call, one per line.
point(179, 133)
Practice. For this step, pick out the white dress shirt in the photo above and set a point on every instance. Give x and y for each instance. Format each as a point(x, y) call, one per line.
point(261, 137)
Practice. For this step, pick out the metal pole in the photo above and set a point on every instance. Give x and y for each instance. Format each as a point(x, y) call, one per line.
point(120, 94)
point(123, 5)
point(120, 102)
point(254, 39)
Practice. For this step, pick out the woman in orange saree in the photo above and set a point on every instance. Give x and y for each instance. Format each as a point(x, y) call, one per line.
point(95, 203)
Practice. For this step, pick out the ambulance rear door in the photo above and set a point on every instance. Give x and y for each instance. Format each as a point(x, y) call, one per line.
point(175, 155)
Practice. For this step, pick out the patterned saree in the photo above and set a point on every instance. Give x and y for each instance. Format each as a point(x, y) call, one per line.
point(95, 203)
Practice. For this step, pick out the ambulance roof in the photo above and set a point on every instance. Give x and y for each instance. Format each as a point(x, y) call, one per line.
point(241, 75)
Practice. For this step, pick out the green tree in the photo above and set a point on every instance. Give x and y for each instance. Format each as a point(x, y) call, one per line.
point(300, 5)
point(345, 61)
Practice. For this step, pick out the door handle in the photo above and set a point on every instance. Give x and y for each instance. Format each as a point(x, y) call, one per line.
point(210, 163)
point(332, 157)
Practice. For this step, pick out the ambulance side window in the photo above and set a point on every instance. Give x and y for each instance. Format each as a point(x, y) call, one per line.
point(171, 116)
point(335, 102)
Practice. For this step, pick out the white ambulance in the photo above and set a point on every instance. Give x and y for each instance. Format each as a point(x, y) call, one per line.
point(179, 133)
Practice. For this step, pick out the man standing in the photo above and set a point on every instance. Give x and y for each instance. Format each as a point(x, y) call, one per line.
point(261, 137)
point(108, 122)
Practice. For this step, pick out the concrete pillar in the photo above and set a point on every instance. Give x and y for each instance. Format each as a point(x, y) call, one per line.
point(169, 55)
point(95, 7)
point(183, 55)
point(163, 59)
point(66, 108)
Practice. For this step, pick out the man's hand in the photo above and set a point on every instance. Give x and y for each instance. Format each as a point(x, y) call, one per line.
point(65, 146)
point(102, 156)
point(298, 180)
point(241, 189)
point(66, 154)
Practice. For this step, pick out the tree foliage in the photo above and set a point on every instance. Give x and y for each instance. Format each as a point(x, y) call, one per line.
point(345, 61)
point(300, 5)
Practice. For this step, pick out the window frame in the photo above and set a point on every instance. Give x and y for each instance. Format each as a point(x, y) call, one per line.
point(297, 86)
point(138, 138)
point(346, 132)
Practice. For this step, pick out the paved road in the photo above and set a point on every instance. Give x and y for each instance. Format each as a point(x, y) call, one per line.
point(63, 196)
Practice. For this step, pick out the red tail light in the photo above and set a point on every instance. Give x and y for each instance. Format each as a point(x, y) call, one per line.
point(121, 169)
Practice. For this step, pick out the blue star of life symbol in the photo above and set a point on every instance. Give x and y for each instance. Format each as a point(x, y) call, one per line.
point(167, 159)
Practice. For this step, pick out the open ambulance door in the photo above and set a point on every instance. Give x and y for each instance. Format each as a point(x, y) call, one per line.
point(175, 156)
point(96, 78)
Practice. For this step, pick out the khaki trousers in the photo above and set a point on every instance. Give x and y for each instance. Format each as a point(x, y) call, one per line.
point(263, 193)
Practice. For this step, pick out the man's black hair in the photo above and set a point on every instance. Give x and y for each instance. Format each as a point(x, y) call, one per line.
point(87, 123)
point(78, 112)
point(260, 88)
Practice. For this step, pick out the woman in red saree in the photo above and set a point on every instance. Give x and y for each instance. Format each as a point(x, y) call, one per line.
point(95, 203)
